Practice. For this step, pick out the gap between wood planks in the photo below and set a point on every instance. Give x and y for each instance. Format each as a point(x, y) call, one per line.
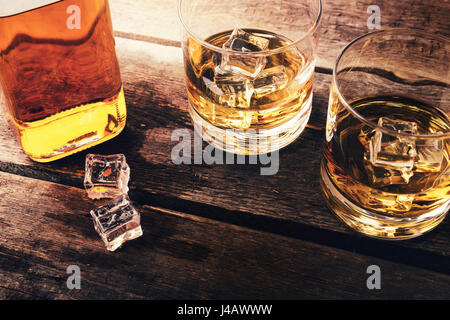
point(352, 242)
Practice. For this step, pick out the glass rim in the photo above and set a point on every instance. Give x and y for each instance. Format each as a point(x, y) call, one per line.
point(310, 31)
point(358, 115)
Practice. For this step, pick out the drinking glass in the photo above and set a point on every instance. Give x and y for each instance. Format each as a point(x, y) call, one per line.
point(249, 70)
point(386, 168)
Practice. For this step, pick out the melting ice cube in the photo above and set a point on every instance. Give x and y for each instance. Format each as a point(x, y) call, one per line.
point(242, 41)
point(429, 155)
point(270, 80)
point(106, 176)
point(391, 151)
point(390, 159)
point(382, 176)
point(208, 81)
point(117, 222)
point(233, 90)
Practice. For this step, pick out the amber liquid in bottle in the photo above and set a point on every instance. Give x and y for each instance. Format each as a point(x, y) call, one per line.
point(62, 86)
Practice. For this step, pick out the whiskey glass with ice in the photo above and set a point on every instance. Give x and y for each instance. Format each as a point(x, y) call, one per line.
point(386, 157)
point(249, 71)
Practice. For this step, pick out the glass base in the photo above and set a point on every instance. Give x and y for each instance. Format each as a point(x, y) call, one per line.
point(252, 141)
point(375, 224)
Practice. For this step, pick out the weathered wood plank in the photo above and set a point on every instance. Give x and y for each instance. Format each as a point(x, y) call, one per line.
point(342, 20)
point(157, 105)
point(179, 256)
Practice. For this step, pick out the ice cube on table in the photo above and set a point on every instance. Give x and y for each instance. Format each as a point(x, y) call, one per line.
point(117, 222)
point(106, 176)
point(392, 151)
point(429, 156)
point(242, 41)
point(270, 80)
point(233, 90)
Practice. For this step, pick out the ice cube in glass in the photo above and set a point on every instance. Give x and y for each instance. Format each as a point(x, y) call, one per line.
point(382, 176)
point(236, 90)
point(270, 80)
point(430, 155)
point(242, 41)
point(391, 151)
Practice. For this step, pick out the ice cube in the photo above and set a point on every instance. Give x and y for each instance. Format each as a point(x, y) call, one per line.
point(210, 85)
point(383, 176)
point(106, 176)
point(242, 41)
point(233, 90)
point(117, 222)
point(391, 151)
point(270, 80)
point(429, 155)
point(239, 39)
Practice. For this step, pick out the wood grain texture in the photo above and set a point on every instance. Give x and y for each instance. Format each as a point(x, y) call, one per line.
point(157, 105)
point(211, 231)
point(342, 20)
point(179, 256)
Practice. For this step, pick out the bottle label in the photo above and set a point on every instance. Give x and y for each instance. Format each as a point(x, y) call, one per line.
point(12, 7)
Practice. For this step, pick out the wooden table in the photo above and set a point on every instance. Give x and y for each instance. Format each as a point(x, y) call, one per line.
point(210, 231)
